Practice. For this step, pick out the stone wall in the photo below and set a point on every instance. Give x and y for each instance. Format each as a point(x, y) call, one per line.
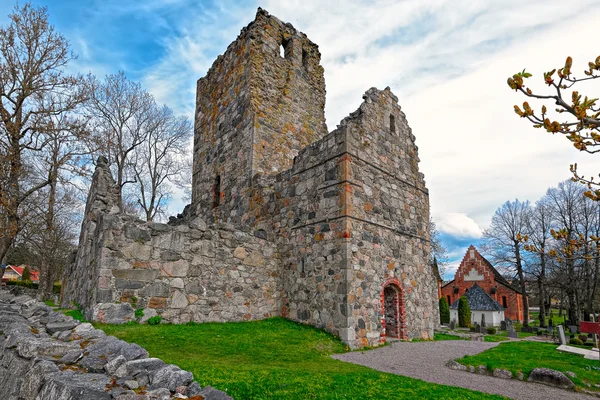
point(45, 355)
point(80, 278)
point(354, 213)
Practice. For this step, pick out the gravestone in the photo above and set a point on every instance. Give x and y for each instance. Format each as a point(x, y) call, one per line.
point(561, 335)
point(503, 325)
point(573, 329)
point(512, 333)
point(452, 324)
point(483, 320)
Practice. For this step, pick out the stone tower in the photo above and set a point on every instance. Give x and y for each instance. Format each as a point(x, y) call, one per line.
point(260, 103)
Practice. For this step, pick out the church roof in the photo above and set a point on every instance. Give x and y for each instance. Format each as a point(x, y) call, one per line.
point(479, 300)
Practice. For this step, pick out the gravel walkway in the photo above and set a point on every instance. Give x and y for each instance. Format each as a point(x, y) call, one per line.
point(426, 361)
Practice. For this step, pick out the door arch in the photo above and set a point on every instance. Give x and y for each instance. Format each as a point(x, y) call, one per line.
point(393, 312)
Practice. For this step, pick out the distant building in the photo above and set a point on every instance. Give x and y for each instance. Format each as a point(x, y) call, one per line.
point(481, 304)
point(476, 270)
point(14, 273)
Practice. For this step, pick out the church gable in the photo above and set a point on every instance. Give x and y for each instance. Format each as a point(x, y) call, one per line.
point(474, 268)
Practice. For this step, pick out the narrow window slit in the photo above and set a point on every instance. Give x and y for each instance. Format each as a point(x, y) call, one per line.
point(217, 192)
point(392, 124)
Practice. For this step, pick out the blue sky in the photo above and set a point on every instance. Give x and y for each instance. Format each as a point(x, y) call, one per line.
point(446, 60)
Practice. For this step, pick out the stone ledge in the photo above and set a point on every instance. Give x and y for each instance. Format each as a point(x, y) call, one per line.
point(51, 356)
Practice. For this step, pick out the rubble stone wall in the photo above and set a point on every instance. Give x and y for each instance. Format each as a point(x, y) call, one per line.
point(45, 355)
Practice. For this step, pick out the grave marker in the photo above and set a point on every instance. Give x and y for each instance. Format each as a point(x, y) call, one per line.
point(561, 335)
point(512, 333)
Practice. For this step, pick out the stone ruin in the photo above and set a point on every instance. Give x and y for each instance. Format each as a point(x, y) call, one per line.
point(286, 219)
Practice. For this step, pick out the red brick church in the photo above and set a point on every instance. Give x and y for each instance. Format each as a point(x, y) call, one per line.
point(474, 269)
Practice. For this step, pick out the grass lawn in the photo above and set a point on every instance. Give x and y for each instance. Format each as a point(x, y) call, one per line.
point(525, 356)
point(556, 320)
point(521, 335)
point(445, 336)
point(275, 359)
point(495, 338)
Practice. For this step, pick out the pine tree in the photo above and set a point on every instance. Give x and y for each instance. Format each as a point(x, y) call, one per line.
point(464, 312)
point(444, 311)
point(26, 275)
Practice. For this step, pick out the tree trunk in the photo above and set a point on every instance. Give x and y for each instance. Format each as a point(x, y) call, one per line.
point(48, 262)
point(542, 301)
point(522, 282)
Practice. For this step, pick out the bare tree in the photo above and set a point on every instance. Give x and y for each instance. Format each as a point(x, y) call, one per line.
point(565, 201)
point(438, 251)
point(160, 160)
point(121, 110)
point(539, 225)
point(33, 89)
point(503, 242)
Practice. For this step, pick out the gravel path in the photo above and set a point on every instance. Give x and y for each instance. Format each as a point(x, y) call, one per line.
point(426, 361)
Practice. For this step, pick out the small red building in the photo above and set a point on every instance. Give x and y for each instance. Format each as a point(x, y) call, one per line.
point(474, 269)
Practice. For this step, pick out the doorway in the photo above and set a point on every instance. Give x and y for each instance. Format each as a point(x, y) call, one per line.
point(392, 302)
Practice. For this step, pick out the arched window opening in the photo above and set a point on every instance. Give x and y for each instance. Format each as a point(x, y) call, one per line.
point(217, 192)
point(448, 297)
point(504, 303)
point(281, 51)
point(392, 124)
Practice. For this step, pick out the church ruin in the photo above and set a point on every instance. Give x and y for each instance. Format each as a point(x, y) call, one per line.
point(287, 219)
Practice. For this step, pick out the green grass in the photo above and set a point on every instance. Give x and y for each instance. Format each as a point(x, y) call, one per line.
point(525, 356)
point(275, 359)
point(520, 335)
point(445, 336)
point(556, 320)
point(50, 303)
point(76, 314)
point(495, 338)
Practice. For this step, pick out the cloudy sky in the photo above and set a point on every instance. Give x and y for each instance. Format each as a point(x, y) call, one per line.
point(446, 60)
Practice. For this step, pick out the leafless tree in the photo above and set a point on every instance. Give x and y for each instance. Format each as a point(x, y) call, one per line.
point(503, 243)
point(34, 89)
point(438, 251)
point(565, 201)
point(121, 111)
point(160, 162)
point(539, 225)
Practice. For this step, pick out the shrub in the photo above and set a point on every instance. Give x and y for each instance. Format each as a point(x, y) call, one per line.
point(26, 277)
point(575, 341)
point(139, 313)
point(444, 311)
point(27, 284)
point(154, 320)
point(56, 288)
point(464, 312)
point(491, 330)
point(583, 338)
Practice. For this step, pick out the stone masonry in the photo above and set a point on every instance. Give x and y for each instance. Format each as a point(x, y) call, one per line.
point(45, 355)
point(329, 229)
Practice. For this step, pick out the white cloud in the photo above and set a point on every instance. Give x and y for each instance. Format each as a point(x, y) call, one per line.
point(459, 224)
